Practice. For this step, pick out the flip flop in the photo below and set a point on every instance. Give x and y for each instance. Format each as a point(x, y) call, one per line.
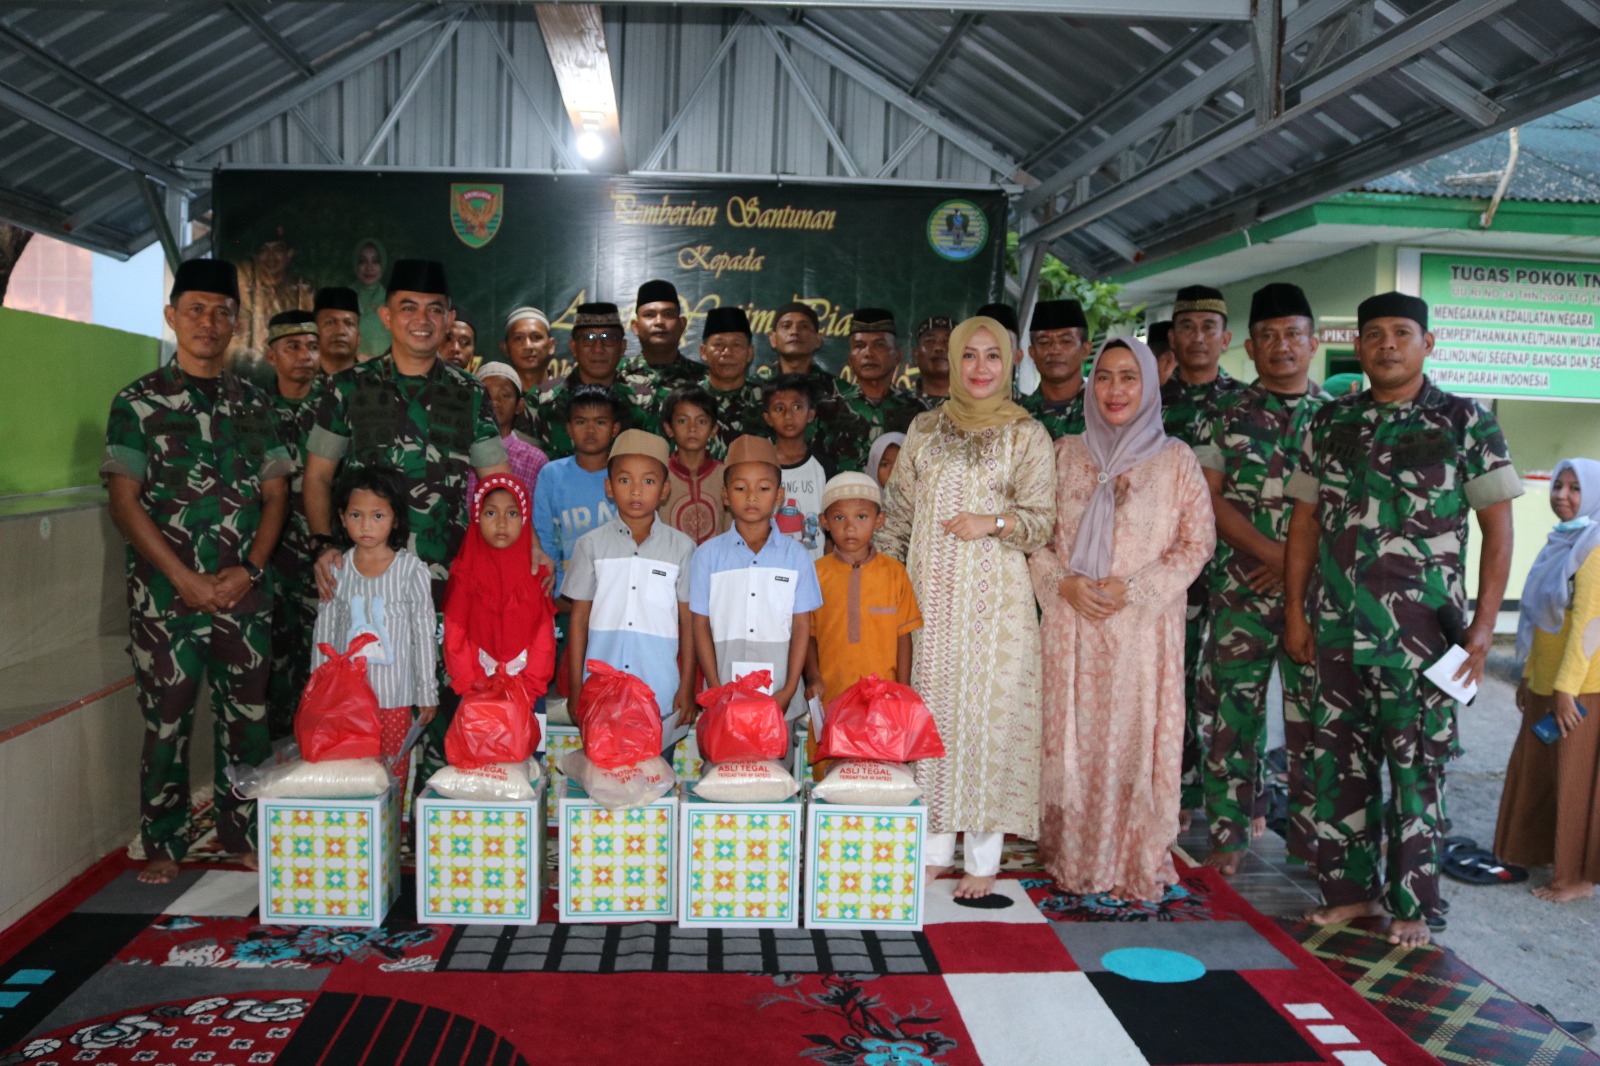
point(1475, 866)
point(992, 902)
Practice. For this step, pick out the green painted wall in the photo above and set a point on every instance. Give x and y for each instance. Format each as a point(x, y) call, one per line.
point(60, 379)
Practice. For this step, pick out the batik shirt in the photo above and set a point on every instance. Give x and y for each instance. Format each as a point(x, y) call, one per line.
point(200, 449)
point(1392, 484)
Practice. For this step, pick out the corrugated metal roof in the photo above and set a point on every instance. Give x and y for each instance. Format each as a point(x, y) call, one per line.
point(1558, 161)
point(1144, 135)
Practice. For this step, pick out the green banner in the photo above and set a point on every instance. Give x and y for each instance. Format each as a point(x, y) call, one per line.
point(1513, 327)
point(553, 242)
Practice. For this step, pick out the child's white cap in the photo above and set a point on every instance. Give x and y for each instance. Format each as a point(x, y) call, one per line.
point(851, 486)
point(499, 370)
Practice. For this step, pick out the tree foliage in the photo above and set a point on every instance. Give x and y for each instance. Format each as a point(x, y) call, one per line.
point(1099, 298)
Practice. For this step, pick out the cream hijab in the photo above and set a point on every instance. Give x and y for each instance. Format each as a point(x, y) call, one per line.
point(997, 409)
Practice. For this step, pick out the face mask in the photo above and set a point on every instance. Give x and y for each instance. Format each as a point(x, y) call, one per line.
point(1583, 521)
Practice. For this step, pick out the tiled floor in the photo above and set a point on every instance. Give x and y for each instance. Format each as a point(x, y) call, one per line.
point(1266, 878)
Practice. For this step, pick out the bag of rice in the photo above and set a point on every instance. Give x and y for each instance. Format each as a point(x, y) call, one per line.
point(500, 782)
point(556, 710)
point(746, 781)
point(298, 779)
point(619, 787)
point(871, 784)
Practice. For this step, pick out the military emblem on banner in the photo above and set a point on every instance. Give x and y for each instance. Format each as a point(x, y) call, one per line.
point(476, 211)
point(958, 230)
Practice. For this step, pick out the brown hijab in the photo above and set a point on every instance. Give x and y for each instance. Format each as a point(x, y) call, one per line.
point(970, 414)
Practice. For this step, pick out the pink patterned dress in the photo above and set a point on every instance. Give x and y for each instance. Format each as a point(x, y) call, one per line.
point(1113, 690)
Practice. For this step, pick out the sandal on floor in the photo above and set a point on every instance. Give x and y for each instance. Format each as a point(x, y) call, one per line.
point(1475, 866)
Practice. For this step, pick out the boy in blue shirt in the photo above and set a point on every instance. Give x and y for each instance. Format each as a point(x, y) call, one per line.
point(570, 498)
point(752, 589)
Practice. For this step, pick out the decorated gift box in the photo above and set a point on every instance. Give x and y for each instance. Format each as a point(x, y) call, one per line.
point(329, 862)
point(687, 765)
point(558, 741)
point(478, 862)
point(740, 863)
point(616, 866)
point(864, 865)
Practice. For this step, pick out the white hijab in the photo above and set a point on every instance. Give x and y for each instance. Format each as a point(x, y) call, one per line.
point(1546, 592)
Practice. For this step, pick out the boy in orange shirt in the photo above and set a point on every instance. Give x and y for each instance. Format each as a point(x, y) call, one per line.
point(868, 609)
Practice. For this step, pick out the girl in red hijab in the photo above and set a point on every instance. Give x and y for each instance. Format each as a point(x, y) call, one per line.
point(497, 615)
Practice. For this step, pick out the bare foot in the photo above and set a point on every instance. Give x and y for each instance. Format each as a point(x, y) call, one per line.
point(249, 861)
point(1346, 912)
point(158, 872)
point(1565, 891)
point(1258, 828)
point(1409, 934)
point(935, 872)
point(1225, 863)
point(974, 887)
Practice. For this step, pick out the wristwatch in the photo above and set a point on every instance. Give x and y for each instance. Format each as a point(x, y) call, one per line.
point(999, 525)
point(254, 571)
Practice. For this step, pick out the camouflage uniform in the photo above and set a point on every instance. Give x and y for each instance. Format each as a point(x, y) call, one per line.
point(837, 434)
point(434, 428)
point(1392, 485)
point(933, 402)
point(1185, 409)
point(892, 414)
point(1059, 419)
point(739, 411)
point(294, 582)
point(1253, 440)
point(201, 450)
point(549, 408)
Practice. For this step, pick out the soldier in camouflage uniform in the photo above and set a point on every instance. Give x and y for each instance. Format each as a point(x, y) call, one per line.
point(1058, 344)
point(726, 350)
point(197, 486)
point(879, 405)
point(1248, 449)
point(414, 412)
point(1199, 337)
point(337, 312)
point(294, 354)
point(837, 431)
point(597, 345)
point(932, 354)
point(659, 323)
point(1382, 491)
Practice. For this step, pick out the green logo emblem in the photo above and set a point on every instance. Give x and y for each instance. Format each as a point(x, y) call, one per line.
point(958, 230)
point(476, 211)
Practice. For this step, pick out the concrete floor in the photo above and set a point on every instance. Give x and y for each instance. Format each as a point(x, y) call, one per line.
point(1542, 953)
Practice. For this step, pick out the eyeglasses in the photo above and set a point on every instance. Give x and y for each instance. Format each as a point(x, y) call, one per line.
point(592, 337)
point(727, 349)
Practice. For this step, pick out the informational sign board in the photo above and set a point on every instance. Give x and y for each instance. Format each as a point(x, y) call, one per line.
point(552, 242)
point(1513, 327)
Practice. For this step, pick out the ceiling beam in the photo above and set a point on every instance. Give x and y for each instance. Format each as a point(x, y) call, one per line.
point(534, 103)
point(37, 54)
point(314, 135)
point(941, 55)
point(49, 221)
point(281, 101)
point(1394, 46)
point(1303, 21)
point(271, 37)
point(70, 129)
point(858, 71)
point(653, 160)
point(1433, 80)
point(412, 85)
point(899, 155)
point(575, 37)
point(814, 105)
point(158, 220)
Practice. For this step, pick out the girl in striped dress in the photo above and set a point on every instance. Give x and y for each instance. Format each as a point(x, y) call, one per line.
point(383, 589)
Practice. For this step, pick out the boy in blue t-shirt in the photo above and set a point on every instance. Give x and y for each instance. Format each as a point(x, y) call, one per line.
point(570, 498)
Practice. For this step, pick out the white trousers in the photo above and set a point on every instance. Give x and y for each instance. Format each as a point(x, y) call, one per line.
point(982, 857)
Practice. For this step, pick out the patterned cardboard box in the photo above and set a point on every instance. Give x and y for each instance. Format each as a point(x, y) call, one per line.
point(740, 863)
point(329, 862)
point(616, 866)
point(687, 765)
point(478, 862)
point(864, 866)
point(558, 740)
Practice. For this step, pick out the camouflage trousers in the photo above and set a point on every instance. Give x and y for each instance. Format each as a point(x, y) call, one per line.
point(1194, 636)
point(1245, 643)
point(170, 656)
point(1371, 717)
point(293, 618)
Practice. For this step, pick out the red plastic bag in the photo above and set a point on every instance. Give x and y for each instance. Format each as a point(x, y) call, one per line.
point(882, 720)
point(338, 713)
point(741, 721)
point(494, 723)
point(617, 717)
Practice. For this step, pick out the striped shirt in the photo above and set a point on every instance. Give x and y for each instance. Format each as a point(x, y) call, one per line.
point(397, 605)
